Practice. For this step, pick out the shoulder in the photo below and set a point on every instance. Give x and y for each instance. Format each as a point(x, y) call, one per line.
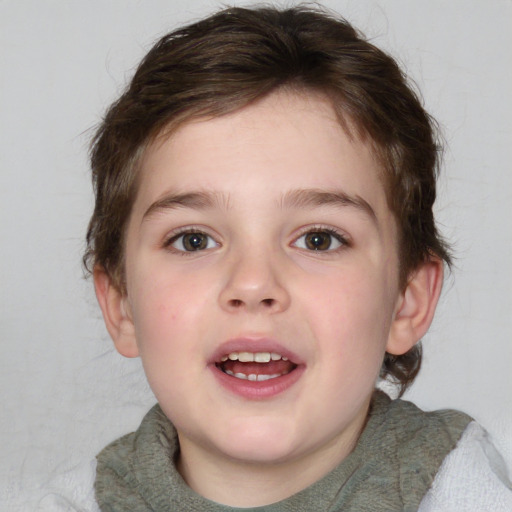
point(472, 478)
point(448, 420)
point(404, 447)
point(420, 440)
point(72, 491)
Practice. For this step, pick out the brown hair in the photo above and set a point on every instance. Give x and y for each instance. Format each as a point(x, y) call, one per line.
point(239, 55)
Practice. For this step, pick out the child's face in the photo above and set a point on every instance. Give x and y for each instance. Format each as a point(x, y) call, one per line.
point(221, 259)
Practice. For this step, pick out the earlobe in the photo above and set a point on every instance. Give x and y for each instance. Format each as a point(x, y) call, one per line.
point(116, 313)
point(416, 307)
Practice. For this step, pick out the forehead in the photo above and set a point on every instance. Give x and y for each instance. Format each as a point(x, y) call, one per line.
point(286, 141)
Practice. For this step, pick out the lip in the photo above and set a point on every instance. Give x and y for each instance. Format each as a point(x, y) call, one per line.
point(255, 390)
point(253, 345)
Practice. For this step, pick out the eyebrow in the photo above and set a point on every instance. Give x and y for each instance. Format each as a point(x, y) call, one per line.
point(300, 198)
point(303, 198)
point(195, 200)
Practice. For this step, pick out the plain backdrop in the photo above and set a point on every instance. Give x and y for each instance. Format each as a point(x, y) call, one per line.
point(65, 393)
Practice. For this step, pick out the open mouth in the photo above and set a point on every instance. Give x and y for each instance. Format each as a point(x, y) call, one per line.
point(255, 366)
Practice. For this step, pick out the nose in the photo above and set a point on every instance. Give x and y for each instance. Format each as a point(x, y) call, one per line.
point(254, 283)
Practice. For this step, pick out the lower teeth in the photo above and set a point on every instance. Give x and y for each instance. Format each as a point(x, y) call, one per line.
point(253, 377)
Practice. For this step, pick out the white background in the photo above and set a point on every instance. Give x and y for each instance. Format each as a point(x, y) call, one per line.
point(64, 392)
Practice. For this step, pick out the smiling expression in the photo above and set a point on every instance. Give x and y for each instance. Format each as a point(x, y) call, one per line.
point(262, 281)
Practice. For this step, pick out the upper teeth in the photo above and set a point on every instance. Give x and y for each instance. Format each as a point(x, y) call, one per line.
point(256, 357)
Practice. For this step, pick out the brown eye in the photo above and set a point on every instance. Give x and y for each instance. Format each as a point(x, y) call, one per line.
point(195, 241)
point(190, 242)
point(320, 241)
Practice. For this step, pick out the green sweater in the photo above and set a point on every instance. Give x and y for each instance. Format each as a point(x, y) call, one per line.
point(391, 468)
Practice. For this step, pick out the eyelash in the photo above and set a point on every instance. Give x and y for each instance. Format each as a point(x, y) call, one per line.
point(336, 235)
point(175, 236)
point(341, 239)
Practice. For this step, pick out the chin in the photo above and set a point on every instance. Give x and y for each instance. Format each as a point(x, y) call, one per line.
point(256, 441)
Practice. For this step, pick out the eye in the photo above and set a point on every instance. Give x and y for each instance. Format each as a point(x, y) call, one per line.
point(320, 240)
point(191, 241)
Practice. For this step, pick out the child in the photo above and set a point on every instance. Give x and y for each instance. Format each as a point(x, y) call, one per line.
point(263, 238)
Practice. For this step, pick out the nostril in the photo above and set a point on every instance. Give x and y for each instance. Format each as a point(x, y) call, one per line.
point(234, 304)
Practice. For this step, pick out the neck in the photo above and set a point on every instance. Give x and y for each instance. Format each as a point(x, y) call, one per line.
point(242, 484)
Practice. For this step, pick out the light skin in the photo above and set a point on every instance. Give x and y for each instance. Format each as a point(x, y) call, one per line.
point(264, 231)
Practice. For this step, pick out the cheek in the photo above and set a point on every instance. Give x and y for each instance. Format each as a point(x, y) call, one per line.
point(163, 292)
point(162, 318)
point(353, 312)
point(165, 337)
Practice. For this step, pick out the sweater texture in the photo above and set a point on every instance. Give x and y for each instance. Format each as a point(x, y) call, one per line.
point(391, 468)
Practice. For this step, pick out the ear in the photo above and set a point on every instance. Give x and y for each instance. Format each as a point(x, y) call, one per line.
point(416, 307)
point(116, 313)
